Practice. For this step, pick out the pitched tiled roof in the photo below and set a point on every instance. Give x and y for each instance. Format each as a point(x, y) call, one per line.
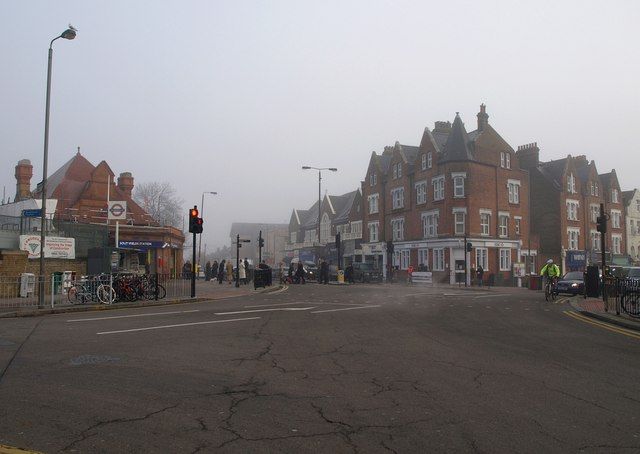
point(554, 169)
point(606, 179)
point(410, 152)
point(342, 205)
point(627, 196)
point(456, 148)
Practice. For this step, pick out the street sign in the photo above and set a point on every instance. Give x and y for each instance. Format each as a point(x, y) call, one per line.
point(34, 213)
point(117, 210)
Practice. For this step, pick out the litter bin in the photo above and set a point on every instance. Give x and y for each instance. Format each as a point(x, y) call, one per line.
point(57, 282)
point(535, 282)
point(592, 282)
point(340, 277)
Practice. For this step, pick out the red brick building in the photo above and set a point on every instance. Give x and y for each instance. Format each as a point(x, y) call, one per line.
point(82, 190)
point(455, 185)
point(567, 194)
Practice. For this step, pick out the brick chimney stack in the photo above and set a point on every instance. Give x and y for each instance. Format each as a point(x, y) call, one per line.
point(24, 172)
point(528, 155)
point(125, 183)
point(483, 118)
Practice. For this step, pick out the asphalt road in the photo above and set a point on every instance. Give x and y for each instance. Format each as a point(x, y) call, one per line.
point(322, 369)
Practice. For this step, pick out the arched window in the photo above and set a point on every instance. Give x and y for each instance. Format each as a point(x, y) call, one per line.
point(325, 228)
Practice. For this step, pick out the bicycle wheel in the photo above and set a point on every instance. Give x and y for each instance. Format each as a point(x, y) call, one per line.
point(105, 294)
point(554, 294)
point(547, 292)
point(75, 294)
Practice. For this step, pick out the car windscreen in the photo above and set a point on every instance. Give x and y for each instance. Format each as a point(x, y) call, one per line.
point(634, 272)
point(573, 276)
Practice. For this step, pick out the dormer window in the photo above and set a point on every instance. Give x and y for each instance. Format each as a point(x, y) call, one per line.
point(571, 184)
point(505, 159)
point(614, 196)
point(429, 159)
point(424, 162)
point(397, 170)
point(373, 179)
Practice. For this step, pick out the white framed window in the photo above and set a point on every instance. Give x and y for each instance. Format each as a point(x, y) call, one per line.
point(638, 205)
point(514, 191)
point(373, 179)
point(397, 198)
point(571, 184)
point(482, 258)
point(310, 236)
point(397, 170)
point(615, 219)
point(423, 257)
point(458, 184)
point(593, 192)
point(572, 210)
point(401, 258)
point(503, 225)
point(595, 187)
point(485, 222)
point(505, 259)
point(356, 227)
point(459, 221)
point(394, 170)
point(325, 228)
point(507, 160)
point(293, 237)
point(438, 187)
point(517, 224)
point(502, 160)
point(430, 223)
point(438, 259)
point(373, 227)
point(373, 203)
point(614, 196)
point(397, 229)
point(429, 159)
point(424, 161)
point(617, 243)
point(421, 192)
point(595, 240)
point(573, 236)
point(594, 210)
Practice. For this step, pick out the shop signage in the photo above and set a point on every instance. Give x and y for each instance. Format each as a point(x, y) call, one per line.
point(502, 244)
point(422, 277)
point(117, 210)
point(141, 244)
point(34, 213)
point(54, 247)
point(576, 260)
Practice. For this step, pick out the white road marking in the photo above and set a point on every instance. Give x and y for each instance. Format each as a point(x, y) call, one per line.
point(178, 325)
point(345, 309)
point(130, 316)
point(266, 310)
point(454, 294)
point(275, 304)
point(490, 295)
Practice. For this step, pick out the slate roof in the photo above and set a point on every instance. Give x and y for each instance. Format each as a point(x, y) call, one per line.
point(441, 138)
point(410, 152)
point(457, 148)
point(582, 169)
point(342, 205)
point(606, 179)
point(309, 218)
point(554, 169)
point(627, 196)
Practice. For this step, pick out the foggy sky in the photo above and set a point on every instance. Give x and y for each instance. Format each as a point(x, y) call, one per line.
point(236, 96)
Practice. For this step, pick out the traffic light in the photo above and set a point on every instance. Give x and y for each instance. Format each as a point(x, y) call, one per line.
point(469, 247)
point(338, 240)
point(602, 224)
point(195, 222)
point(261, 242)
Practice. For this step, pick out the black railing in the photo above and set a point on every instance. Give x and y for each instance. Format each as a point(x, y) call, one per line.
point(623, 294)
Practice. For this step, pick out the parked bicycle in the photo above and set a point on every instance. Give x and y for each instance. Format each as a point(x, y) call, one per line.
point(94, 289)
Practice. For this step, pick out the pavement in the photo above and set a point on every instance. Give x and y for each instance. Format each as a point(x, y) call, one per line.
point(595, 308)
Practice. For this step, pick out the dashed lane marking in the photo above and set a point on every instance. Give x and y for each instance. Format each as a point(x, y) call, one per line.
point(492, 295)
point(131, 316)
point(345, 309)
point(274, 304)
point(148, 328)
point(266, 310)
point(604, 325)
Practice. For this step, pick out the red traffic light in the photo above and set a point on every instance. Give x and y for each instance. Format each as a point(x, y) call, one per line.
point(193, 212)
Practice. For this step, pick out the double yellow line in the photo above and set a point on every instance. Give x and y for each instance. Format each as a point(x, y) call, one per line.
point(607, 326)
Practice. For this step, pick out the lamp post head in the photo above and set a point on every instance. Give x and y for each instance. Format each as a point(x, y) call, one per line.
point(333, 169)
point(306, 167)
point(69, 33)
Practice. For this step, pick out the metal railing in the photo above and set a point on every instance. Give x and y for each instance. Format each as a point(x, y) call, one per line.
point(622, 294)
point(21, 292)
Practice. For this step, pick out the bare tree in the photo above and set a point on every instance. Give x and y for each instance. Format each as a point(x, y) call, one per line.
point(159, 199)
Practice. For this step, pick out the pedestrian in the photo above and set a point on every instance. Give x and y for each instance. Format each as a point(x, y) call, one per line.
point(221, 271)
point(207, 271)
point(324, 271)
point(229, 271)
point(291, 272)
point(186, 270)
point(242, 273)
point(300, 273)
point(348, 273)
point(247, 271)
point(480, 275)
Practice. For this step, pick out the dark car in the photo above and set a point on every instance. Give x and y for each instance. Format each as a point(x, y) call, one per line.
point(366, 272)
point(571, 283)
point(310, 270)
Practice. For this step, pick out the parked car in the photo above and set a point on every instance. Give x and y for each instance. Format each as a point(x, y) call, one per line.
point(366, 272)
point(571, 283)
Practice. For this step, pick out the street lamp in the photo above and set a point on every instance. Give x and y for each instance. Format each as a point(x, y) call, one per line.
point(69, 33)
point(319, 169)
point(202, 216)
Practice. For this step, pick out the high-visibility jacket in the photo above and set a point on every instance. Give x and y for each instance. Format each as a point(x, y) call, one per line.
point(551, 270)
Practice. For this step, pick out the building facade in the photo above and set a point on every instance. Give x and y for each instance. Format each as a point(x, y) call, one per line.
point(455, 188)
point(631, 201)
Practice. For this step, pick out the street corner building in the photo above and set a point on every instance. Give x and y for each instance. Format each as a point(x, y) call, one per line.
point(427, 202)
point(79, 200)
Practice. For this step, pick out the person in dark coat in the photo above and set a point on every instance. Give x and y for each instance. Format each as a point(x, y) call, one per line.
point(291, 271)
point(248, 275)
point(186, 270)
point(348, 274)
point(324, 272)
point(300, 273)
point(480, 274)
point(207, 271)
point(221, 271)
point(214, 270)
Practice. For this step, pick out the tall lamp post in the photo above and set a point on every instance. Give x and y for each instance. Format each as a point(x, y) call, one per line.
point(202, 216)
point(319, 169)
point(69, 33)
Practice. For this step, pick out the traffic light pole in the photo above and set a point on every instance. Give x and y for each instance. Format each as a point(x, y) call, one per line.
point(193, 268)
point(602, 227)
point(466, 263)
point(238, 260)
point(260, 248)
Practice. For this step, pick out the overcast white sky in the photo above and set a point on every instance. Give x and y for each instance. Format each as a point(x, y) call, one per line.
point(235, 96)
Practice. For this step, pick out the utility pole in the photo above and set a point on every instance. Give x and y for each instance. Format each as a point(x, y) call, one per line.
point(602, 228)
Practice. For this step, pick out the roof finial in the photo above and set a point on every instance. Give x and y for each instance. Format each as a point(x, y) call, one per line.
point(78, 150)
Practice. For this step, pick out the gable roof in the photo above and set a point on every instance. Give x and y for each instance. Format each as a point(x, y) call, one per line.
point(456, 148)
point(627, 196)
point(343, 204)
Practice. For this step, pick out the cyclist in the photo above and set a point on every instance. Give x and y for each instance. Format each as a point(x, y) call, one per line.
point(550, 272)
